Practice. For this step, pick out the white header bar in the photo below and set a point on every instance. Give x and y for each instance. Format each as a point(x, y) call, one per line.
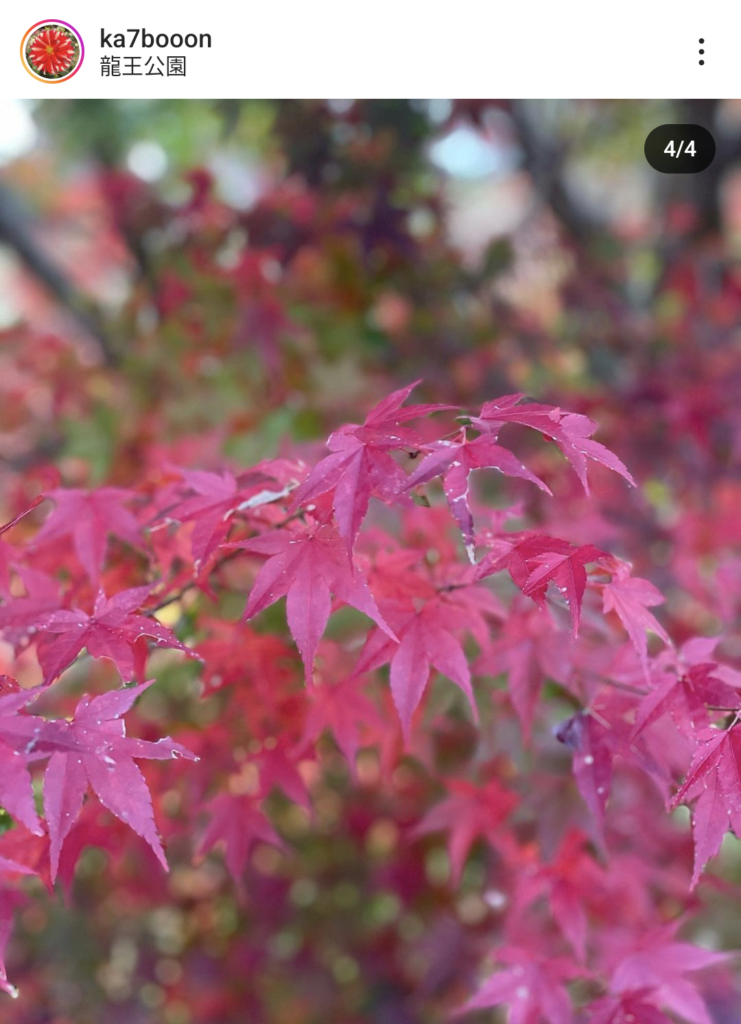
point(384, 49)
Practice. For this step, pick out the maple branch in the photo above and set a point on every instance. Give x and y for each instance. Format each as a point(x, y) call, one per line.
point(455, 586)
point(174, 598)
point(180, 594)
point(16, 232)
point(544, 162)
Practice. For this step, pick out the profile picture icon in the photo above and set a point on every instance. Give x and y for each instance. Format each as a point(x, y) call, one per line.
point(52, 51)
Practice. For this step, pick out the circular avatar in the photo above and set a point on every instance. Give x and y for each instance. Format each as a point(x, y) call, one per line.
point(52, 51)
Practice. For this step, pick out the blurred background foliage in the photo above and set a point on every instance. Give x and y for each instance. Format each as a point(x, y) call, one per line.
point(202, 280)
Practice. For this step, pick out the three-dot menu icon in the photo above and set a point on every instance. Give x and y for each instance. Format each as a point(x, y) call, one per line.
point(702, 41)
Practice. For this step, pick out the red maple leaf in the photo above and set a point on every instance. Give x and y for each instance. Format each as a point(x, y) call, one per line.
point(714, 779)
point(687, 698)
point(627, 1009)
point(344, 710)
point(655, 970)
point(16, 737)
point(89, 517)
point(217, 496)
point(18, 864)
point(278, 768)
point(360, 464)
point(239, 824)
point(569, 430)
point(18, 617)
point(113, 631)
point(517, 553)
point(631, 597)
point(10, 900)
point(454, 461)
point(565, 570)
point(568, 880)
point(529, 649)
point(306, 566)
point(95, 828)
point(102, 758)
point(427, 639)
point(469, 813)
point(592, 765)
point(233, 652)
point(533, 987)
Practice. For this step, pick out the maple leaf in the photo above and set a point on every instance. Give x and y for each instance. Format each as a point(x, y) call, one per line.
point(360, 464)
point(7, 561)
point(102, 758)
point(454, 461)
point(217, 497)
point(714, 778)
point(233, 652)
point(529, 650)
point(278, 768)
point(687, 697)
point(516, 552)
point(89, 517)
point(18, 618)
point(306, 566)
point(426, 639)
point(532, 987)
point(112, 631)
point(95, 828)
point(630, 598)
point(469, 813)
point(16, 792)
point(592, 763)
point(626, 1009)
point(656, 969)
point(239, 824)
point(344, 710)
point(566, 570)
point(9, 902)
point(567, 881)
point(570, 431)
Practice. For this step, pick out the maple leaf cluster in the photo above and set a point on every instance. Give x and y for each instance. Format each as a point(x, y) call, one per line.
point(382, 619)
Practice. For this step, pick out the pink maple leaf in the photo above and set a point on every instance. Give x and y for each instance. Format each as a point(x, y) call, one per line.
point(90, 517)
point(217, 496)
point(630, 598)
point(102, 758)
point(569, 430)
point(532, 987)
point(714, 779)
point(427, 638)
point(113, 631)
point(360, 464)
point(592, 764)
point(16, 737)
point(566, 571)
point(687, 698)
point(344, 710)
point(454, 461)
point(470, 812)
point(239, 824)
point(655, 971)
point(529, 649)
point(306, 566)
point(572, 877)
